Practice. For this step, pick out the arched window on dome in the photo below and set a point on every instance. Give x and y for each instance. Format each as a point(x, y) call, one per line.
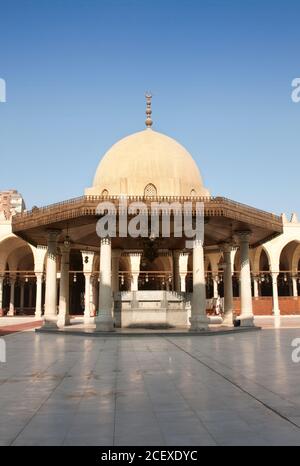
point(193, 192)
point(150, 190)
point(104, 192)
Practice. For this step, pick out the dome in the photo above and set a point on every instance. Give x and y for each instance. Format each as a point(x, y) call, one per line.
point(147, 163)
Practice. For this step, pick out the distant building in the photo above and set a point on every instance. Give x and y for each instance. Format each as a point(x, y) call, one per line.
point(11, 202)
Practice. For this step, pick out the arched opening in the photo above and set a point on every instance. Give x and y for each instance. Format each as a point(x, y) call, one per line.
point(124, 274)
point(156, 274)
point(288, 269)
point(150, 190)
point(19, 286)
point(264, 278)
point(77, 283)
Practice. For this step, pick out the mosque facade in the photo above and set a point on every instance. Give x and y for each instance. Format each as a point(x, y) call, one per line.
point(55, 265)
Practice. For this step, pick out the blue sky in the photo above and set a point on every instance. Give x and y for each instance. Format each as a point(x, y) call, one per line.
point(220, 72)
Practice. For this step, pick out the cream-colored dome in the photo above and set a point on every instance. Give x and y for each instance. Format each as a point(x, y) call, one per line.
point(148, 163)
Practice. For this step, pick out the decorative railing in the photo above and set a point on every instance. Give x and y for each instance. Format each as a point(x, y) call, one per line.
point(90, 201)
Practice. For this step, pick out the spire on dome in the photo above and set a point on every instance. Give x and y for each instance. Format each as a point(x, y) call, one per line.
point(148, 121)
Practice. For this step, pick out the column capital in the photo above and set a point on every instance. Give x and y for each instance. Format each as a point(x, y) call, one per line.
point(52, 234)
point(242, 236)
point(197, 243)
point(134, 253)
point(39, 275)
point(226, 247)
point(106, 240)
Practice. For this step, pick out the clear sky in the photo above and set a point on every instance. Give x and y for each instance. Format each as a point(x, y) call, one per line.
point(220, 71)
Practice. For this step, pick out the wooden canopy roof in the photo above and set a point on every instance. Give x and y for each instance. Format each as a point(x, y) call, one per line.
point(77, 218)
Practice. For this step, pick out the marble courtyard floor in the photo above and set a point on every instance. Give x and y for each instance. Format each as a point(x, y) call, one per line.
point(237, 389)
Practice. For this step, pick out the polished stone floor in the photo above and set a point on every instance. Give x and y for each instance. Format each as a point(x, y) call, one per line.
point(238, 389)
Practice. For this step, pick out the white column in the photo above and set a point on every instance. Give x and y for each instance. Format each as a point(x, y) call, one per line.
point(22, 290)
point(88, 260)
point(11, 311)
point(182, 282)
point(50, 316)
point(215, 284)
point(246, 317)
point(104, 319)
point(38, 299)
point(116, 253)
point(276, 310)
point(87, 299)
point(228, 289)
point(295, 286)
point(183, 269)
point(199, 320)
point(64, 287)
point(135, 261)
point(255, 286)
point(176, 254)
point(94, 295)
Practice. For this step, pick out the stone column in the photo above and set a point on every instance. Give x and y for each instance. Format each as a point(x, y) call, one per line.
point(176, 254)
point(295, 286)
point(183, 282)
point(246, 317)
point(22, 290)
point(228, 289)
point(88, 260)
point(183, 269)
point(38, 298)
point(116, 253)
point(215, 284)
point(255, 286)
point(64, 287)
point(135, 261)
point(276, 310)
point(50, 316)
point(199, 320)
point(11, 311)
point(87, 299)
point(94, 295)
point(104, 319)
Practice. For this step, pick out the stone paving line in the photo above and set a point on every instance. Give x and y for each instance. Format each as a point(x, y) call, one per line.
point(240, 389)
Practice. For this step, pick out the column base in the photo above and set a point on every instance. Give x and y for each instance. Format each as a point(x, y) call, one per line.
point(276, 312)
point(11, 313)
point(63, 321)
point(228, 320)
point(50, 322)
point(89, 321)
point(198, 324)
point(246, 320)
point(104, 326)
